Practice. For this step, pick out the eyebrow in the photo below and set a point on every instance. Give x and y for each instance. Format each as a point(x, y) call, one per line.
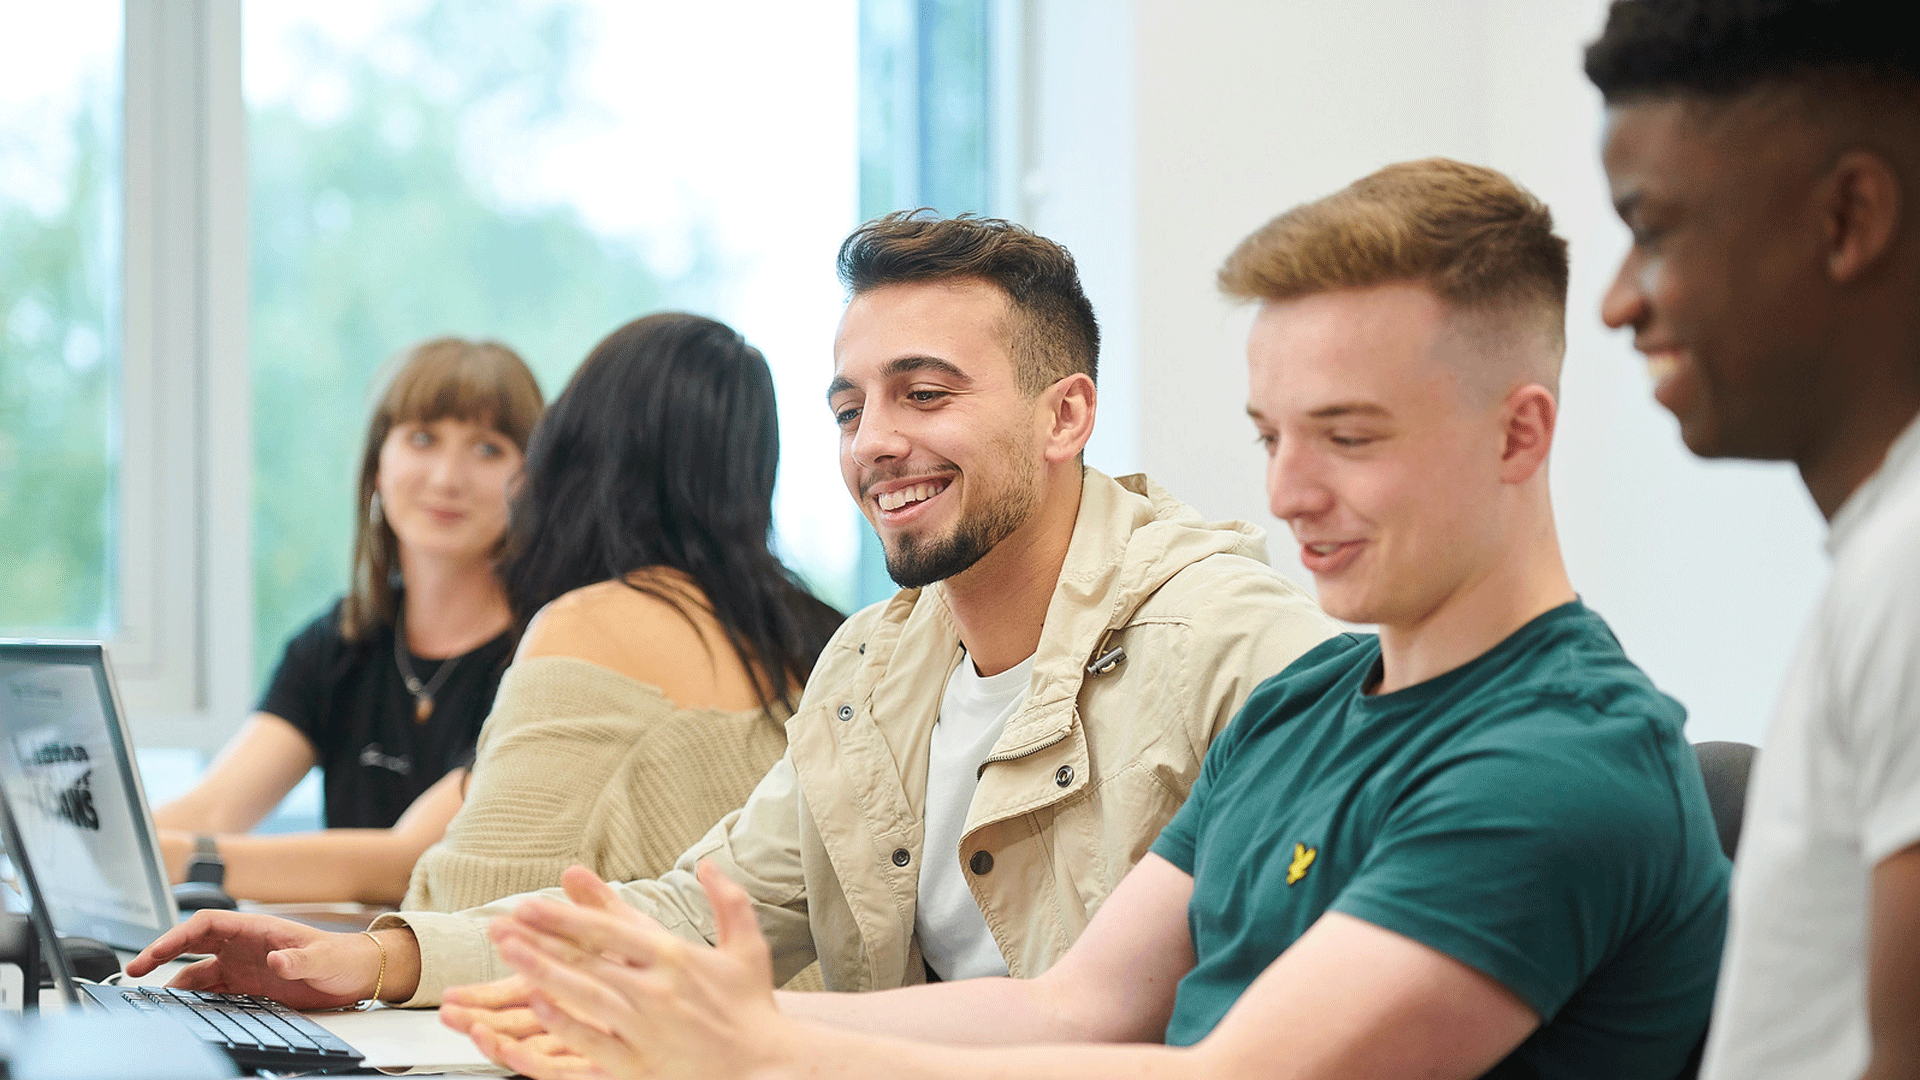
point(905, 365)
point(1349, 408)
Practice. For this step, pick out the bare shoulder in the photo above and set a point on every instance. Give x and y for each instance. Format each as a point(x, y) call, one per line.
point(678, 647)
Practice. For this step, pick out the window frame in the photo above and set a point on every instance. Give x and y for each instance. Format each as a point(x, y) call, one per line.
point(183, 639)
point(183, 460)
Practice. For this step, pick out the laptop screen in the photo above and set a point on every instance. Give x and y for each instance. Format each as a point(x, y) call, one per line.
point(29, 885)
point(68, 773)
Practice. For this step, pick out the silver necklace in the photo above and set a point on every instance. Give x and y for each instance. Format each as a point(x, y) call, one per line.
point(422, 692)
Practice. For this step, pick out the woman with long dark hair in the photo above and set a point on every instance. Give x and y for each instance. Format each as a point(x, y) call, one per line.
point(386, 689)
point(665, 643)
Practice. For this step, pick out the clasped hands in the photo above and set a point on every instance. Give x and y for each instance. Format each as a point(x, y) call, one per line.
point(603, 991)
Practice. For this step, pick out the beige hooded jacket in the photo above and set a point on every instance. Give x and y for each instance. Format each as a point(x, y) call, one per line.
point(1160, 626)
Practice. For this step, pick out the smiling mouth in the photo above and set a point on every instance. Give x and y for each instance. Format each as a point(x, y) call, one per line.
point(1323, 549)
point(907, 496)
point(1662, 364)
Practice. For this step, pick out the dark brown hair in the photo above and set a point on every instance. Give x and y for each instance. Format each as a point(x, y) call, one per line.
point(1480, 241)
point(482, 382)
point(1054, 334)
point(662, 453)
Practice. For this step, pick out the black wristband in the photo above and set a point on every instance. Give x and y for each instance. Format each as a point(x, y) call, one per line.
point(205, 863)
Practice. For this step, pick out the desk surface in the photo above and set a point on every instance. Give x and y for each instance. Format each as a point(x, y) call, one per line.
point(412, 1039)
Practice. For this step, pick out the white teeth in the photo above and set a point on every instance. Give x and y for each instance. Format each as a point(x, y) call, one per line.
point(1661, 366)
point(894, 500)
point(1323, 549)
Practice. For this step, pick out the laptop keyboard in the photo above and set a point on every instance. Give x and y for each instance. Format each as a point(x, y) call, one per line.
point(256, 1032)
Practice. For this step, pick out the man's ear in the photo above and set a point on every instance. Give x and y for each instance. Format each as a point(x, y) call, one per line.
point(1862, 211)
point(1527, 417)
point(1067, 408)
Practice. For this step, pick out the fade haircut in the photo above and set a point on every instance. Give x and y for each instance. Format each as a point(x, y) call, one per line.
point(1479, 241)
point(1053, 332)
point(1724, 48)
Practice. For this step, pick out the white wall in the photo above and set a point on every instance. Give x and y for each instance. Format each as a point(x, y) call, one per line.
point(1162, 131)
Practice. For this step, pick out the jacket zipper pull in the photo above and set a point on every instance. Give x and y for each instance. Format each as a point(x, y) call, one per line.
point(1107, 661)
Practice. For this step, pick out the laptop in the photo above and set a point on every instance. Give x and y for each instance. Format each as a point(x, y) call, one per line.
point(67, 758)
point(256, 1033)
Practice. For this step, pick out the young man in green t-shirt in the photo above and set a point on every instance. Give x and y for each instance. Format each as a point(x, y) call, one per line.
point(1475, 845)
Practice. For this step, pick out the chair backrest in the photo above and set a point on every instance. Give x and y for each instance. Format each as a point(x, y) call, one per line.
point(1725, 766)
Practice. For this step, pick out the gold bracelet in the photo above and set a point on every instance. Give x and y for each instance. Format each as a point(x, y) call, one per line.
point(379, 980)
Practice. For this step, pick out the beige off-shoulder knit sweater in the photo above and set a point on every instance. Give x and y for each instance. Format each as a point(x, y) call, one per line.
point(580, 764)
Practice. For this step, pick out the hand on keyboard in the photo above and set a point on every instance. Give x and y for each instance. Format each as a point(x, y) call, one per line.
point(259, 954)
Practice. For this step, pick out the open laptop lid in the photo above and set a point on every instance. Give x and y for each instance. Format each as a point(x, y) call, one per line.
point(66, 761)
point(50, 950)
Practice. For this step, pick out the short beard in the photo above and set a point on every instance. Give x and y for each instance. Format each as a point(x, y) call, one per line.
point(912, 564)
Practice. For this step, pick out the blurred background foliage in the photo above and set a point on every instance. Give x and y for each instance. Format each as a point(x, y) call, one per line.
point(59, 309)
point(371, 231)
point(376, 221)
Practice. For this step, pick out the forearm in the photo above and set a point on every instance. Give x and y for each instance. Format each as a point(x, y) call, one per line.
point(365, 865)
point(817, 1050)
point(977, 1012)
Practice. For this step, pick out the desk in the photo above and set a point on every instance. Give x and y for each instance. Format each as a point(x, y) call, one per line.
point(409, 1039)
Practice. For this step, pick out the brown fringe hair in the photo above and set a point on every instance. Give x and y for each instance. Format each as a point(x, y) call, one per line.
point(481, 382)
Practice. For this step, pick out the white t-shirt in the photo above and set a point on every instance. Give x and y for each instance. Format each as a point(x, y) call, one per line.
point(1836, 790)
point(953, 937)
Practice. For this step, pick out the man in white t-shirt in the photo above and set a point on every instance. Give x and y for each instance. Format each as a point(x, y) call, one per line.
point(1766, 156)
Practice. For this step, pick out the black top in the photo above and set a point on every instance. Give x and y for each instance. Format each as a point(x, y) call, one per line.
point(351, 704)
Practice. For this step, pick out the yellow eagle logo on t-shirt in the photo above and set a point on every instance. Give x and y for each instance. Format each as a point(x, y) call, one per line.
point(1302, 858)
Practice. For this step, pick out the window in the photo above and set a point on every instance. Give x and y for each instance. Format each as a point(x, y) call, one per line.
point(59, 318)
point(213, 231)
point(538, 174)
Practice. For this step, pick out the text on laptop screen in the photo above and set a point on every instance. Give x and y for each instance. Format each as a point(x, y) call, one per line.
point(76, 812)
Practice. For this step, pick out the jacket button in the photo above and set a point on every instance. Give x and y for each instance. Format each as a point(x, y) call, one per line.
point(1064, 776)
point(900, 857)
point(846, 712)
point(981, 863)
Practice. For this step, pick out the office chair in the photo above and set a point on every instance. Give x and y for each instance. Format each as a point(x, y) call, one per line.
point(1725, 766)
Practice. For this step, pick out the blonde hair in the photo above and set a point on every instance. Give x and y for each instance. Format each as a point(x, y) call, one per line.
point(482, 382)
point(1479, 241)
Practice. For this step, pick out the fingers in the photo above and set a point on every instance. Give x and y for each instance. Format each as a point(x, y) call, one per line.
point(293, 964)
point(199, 975)
point(194, 935)
point(628, 936)
point(498, 994)
point(585, 888)
point(518, 1022)
point(737, 930)
point(588, 1041)
point(577, 983)
point(732, 908)
point(541, 1057)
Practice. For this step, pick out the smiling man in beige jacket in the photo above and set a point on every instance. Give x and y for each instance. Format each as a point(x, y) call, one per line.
point(1037, 699)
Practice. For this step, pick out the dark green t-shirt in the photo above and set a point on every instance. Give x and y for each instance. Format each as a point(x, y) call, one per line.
point(1535, 814)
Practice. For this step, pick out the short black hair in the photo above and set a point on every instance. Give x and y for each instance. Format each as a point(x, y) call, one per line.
point(1055, 333)
point(1721, 48)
